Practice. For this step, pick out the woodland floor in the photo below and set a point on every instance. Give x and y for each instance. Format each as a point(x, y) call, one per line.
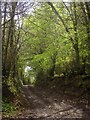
point(47, 103)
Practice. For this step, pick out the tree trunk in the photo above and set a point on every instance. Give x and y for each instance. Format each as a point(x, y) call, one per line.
point(52, 70)
point(0, 49)
point(8, 49)
point(76, 40)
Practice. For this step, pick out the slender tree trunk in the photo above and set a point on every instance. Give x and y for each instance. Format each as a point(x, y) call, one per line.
point(87, 4)
point(52, 70)
point(9, 49)
point(3, 31)
point(0, 48)
point(76, 40)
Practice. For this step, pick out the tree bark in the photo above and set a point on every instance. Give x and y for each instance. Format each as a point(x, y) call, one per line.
point(8, 49)
point(76, 39)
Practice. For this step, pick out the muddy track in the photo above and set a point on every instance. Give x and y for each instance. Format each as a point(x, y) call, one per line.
point(40, 103)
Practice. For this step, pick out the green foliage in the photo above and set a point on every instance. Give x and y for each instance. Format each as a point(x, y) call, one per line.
point(8, 107)
point(53, 42)
point(48, 48)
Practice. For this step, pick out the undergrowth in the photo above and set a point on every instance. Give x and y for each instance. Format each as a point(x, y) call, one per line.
point(8, 107)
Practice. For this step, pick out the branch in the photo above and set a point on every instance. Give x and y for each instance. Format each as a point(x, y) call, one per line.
point(66, 28)
point(56, 12)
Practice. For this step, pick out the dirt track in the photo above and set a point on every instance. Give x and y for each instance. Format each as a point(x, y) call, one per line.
point(41, 103)
point(44, 103)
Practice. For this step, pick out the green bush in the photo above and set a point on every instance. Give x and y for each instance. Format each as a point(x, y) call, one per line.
point(8, 107)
